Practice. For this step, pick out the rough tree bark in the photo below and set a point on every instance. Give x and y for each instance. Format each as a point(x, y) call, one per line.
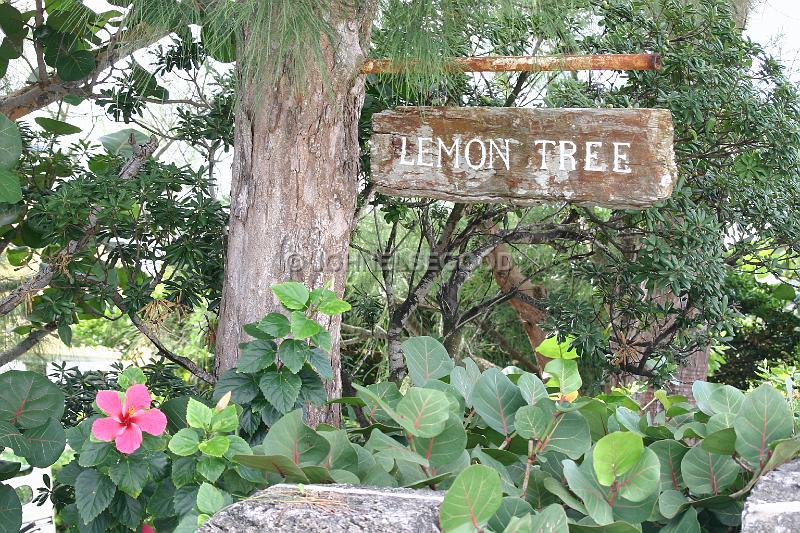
point(510, 279)
point(294, 186)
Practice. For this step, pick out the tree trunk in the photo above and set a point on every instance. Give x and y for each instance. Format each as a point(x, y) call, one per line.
point(694, 368)
point(509, 278)
point(294, 187)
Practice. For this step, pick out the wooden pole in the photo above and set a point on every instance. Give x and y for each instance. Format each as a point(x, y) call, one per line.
point(529, 63)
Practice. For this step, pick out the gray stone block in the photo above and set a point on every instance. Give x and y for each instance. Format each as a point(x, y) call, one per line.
point(331, 509)
point(774, 504)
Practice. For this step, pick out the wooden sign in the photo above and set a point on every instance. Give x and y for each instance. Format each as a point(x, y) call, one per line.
point(620, 158)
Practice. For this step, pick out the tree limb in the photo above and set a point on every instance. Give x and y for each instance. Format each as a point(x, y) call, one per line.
point(33, 338)
point(33, 97)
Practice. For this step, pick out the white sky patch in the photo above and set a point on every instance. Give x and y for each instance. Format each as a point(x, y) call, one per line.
point(774, 24)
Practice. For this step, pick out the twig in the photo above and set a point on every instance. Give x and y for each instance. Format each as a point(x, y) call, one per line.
point(528, 465)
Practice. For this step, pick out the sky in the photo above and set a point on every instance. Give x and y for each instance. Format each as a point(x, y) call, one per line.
point(776, 25)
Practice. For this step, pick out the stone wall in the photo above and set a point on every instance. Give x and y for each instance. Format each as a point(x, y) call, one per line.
point(774, 504)
point(331, 508)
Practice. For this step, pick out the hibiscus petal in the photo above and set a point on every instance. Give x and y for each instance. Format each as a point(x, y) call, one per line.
point(152, 421)
point(106, 428)
point(129, 440)
point(147, 529)
point(137, 398)
point(108, 401)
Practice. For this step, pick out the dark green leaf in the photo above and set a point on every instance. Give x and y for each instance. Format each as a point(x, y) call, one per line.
point(281, 388)
point(28, 399)
point(93, 494)
point(294, 353)
point(57, 126)
point(75, 65)
point(10, 509)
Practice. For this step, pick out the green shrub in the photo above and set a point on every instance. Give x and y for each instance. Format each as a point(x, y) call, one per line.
point(514, 453)
point(523, 455)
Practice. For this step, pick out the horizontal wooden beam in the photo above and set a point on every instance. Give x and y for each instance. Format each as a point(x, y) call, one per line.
point(529, 63)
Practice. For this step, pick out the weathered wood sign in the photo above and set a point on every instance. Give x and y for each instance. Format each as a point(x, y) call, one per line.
point(620, 158)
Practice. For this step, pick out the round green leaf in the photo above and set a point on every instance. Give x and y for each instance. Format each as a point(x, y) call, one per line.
point(642, 480)
point(715, 398)
point(615, 454)
point(76, 65)
point(423, 412)
point(532, 388)
point(426, 358)
point(532, 422)
point(293, 439)
point(43, 445)
point(565, 373)
point(10, 510)
point(764, 417)
point(708, 473)
point(473, 499)
point(496, 399)
point(28, 399)
point(567, 434)
point(445, 447)
point(722, 442)
point(10, 142)
point(670, 453)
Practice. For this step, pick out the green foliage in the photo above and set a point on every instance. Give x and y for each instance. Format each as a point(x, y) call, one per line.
point(30, 409)
point(272, 379)
point(768, 330)
point(565, 465)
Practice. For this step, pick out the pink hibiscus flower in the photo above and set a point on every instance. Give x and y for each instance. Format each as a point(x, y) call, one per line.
point(126, 422)
point(147, 529)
